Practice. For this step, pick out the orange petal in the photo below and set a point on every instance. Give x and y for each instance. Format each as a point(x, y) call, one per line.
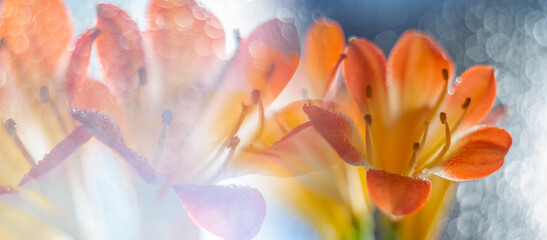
point(266, 60)
point(339, 132)
point(365, 66)
point(183, 34)
point(324, 44)
point(396, 194)
point(79, 62)
point(120, 50)
point(477, 155)
point(302, 151)
point(477, 83)
point(415, 68)
point(36, 33)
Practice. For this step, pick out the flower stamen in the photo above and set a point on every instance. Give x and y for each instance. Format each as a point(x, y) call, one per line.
point(9, 125)
point(448, 140)
point(412, 163)
point(465, 106)
point(255, 96)
point(142, 76)
point(369, 96)
point(332, 83)
point(242, 115)
point(438, 102)
point(160, 148)
point(368, 137)
point(45, 98)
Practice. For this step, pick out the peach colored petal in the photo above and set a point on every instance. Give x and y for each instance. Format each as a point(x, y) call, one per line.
point(36, 34)
point(477, 83)
point(266, 60)
point(183, 34)
point(366, 66)
point(120, 50)
point(324, 43)
point(396, 194)
point(339, 133)
point(415, 69)
point(231, 212)
point(476, 155)
point(79, 62)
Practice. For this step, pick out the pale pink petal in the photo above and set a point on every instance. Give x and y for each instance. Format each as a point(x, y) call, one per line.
point(231, 212)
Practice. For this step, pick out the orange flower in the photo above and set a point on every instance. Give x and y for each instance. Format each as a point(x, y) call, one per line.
point(413, 121)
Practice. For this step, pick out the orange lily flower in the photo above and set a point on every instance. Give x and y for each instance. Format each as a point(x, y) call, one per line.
point(413, 121)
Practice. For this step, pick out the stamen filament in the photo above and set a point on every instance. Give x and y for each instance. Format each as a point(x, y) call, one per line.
point(45, 98)
point(370, 153)
point(160, 149)
point(332, 84)
point(448, 140)
point(369, 96)
point(424, 137)
point(465, 106)
point(244, 109)
point(440, 98)
point(256, 100)
point(412, 163)
point(9, 125)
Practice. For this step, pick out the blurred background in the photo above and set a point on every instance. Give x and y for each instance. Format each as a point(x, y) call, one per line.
point(510, 35)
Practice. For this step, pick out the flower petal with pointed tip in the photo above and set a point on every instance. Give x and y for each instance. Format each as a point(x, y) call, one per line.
point(396, 194)
point(231, 212)
point(476, 155)
point(79, 62)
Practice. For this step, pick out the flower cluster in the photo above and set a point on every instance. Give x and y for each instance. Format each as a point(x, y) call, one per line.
point(183, 116)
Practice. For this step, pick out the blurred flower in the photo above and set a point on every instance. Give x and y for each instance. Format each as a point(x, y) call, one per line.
point(406, 144)
point(178, 72)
